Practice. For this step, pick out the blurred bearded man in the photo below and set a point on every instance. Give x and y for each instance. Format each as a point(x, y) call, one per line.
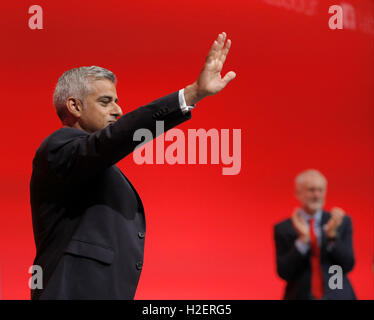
point(313, 242)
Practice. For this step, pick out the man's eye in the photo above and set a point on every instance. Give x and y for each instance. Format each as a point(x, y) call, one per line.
point(104, 103)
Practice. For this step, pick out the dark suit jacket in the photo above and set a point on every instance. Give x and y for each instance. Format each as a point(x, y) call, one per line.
point(295, 268)
point(88, 220)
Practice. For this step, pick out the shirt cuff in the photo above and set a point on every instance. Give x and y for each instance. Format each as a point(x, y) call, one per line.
point(182, 102)
point(301, 246)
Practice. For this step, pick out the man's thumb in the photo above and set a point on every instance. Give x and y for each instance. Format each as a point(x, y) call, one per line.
point(229, 76)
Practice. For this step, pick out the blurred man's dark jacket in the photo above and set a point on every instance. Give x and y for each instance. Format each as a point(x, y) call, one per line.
point(294, 267)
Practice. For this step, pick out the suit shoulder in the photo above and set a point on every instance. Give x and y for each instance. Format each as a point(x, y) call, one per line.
point(60, 136)
point(56, 139)
point(66, 133)
point(283, 226)
point(347, 220)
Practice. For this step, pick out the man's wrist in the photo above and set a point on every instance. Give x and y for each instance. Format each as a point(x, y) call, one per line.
point(301, 246)
point(182, 102)
point(192, 95)
point(331, 235)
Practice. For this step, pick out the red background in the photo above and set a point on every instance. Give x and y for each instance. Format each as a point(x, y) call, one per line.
point(303, 98)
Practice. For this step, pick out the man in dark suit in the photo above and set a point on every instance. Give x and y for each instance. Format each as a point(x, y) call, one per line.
point(314, 249)
point(88, 220)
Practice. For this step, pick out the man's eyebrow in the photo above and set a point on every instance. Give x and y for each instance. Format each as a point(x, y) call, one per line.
point(107, 97)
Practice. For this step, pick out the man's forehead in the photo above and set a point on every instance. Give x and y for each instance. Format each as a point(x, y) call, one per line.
point(313, 179)
point(103, 87)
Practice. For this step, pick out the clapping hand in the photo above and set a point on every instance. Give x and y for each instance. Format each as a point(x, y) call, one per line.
point(337, 215)
point(301, 227)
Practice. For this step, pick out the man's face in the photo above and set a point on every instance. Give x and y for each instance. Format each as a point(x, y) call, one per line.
point(100, 106)
point(311, 192)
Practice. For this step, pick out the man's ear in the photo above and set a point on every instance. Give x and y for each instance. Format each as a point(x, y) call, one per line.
point(74, 107)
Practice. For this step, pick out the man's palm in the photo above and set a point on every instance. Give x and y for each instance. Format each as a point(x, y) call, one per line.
point(209, 80)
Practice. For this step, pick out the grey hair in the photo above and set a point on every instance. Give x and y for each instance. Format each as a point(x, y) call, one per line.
point(76, 83)
point(301, 176)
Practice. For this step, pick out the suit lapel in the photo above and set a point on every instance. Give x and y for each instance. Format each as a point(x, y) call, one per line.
point(133, 188)
point(325, 217)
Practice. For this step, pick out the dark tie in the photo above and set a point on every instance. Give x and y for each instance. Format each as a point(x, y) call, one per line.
point(317, 280)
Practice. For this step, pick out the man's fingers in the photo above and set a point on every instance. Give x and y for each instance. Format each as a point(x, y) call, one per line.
point(340, 217)
point(337, 214)
point(330, 223)
point(337, 210)
point(225, 50)
point(221, 40)
point(214, 51)
point(210, 55)
point(295, 213)
point(217, 46)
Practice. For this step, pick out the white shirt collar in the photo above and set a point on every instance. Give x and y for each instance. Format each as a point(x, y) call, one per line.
point(306, 216)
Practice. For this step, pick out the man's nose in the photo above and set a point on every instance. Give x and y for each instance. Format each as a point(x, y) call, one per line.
point(117, 111)
point(317, 194)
